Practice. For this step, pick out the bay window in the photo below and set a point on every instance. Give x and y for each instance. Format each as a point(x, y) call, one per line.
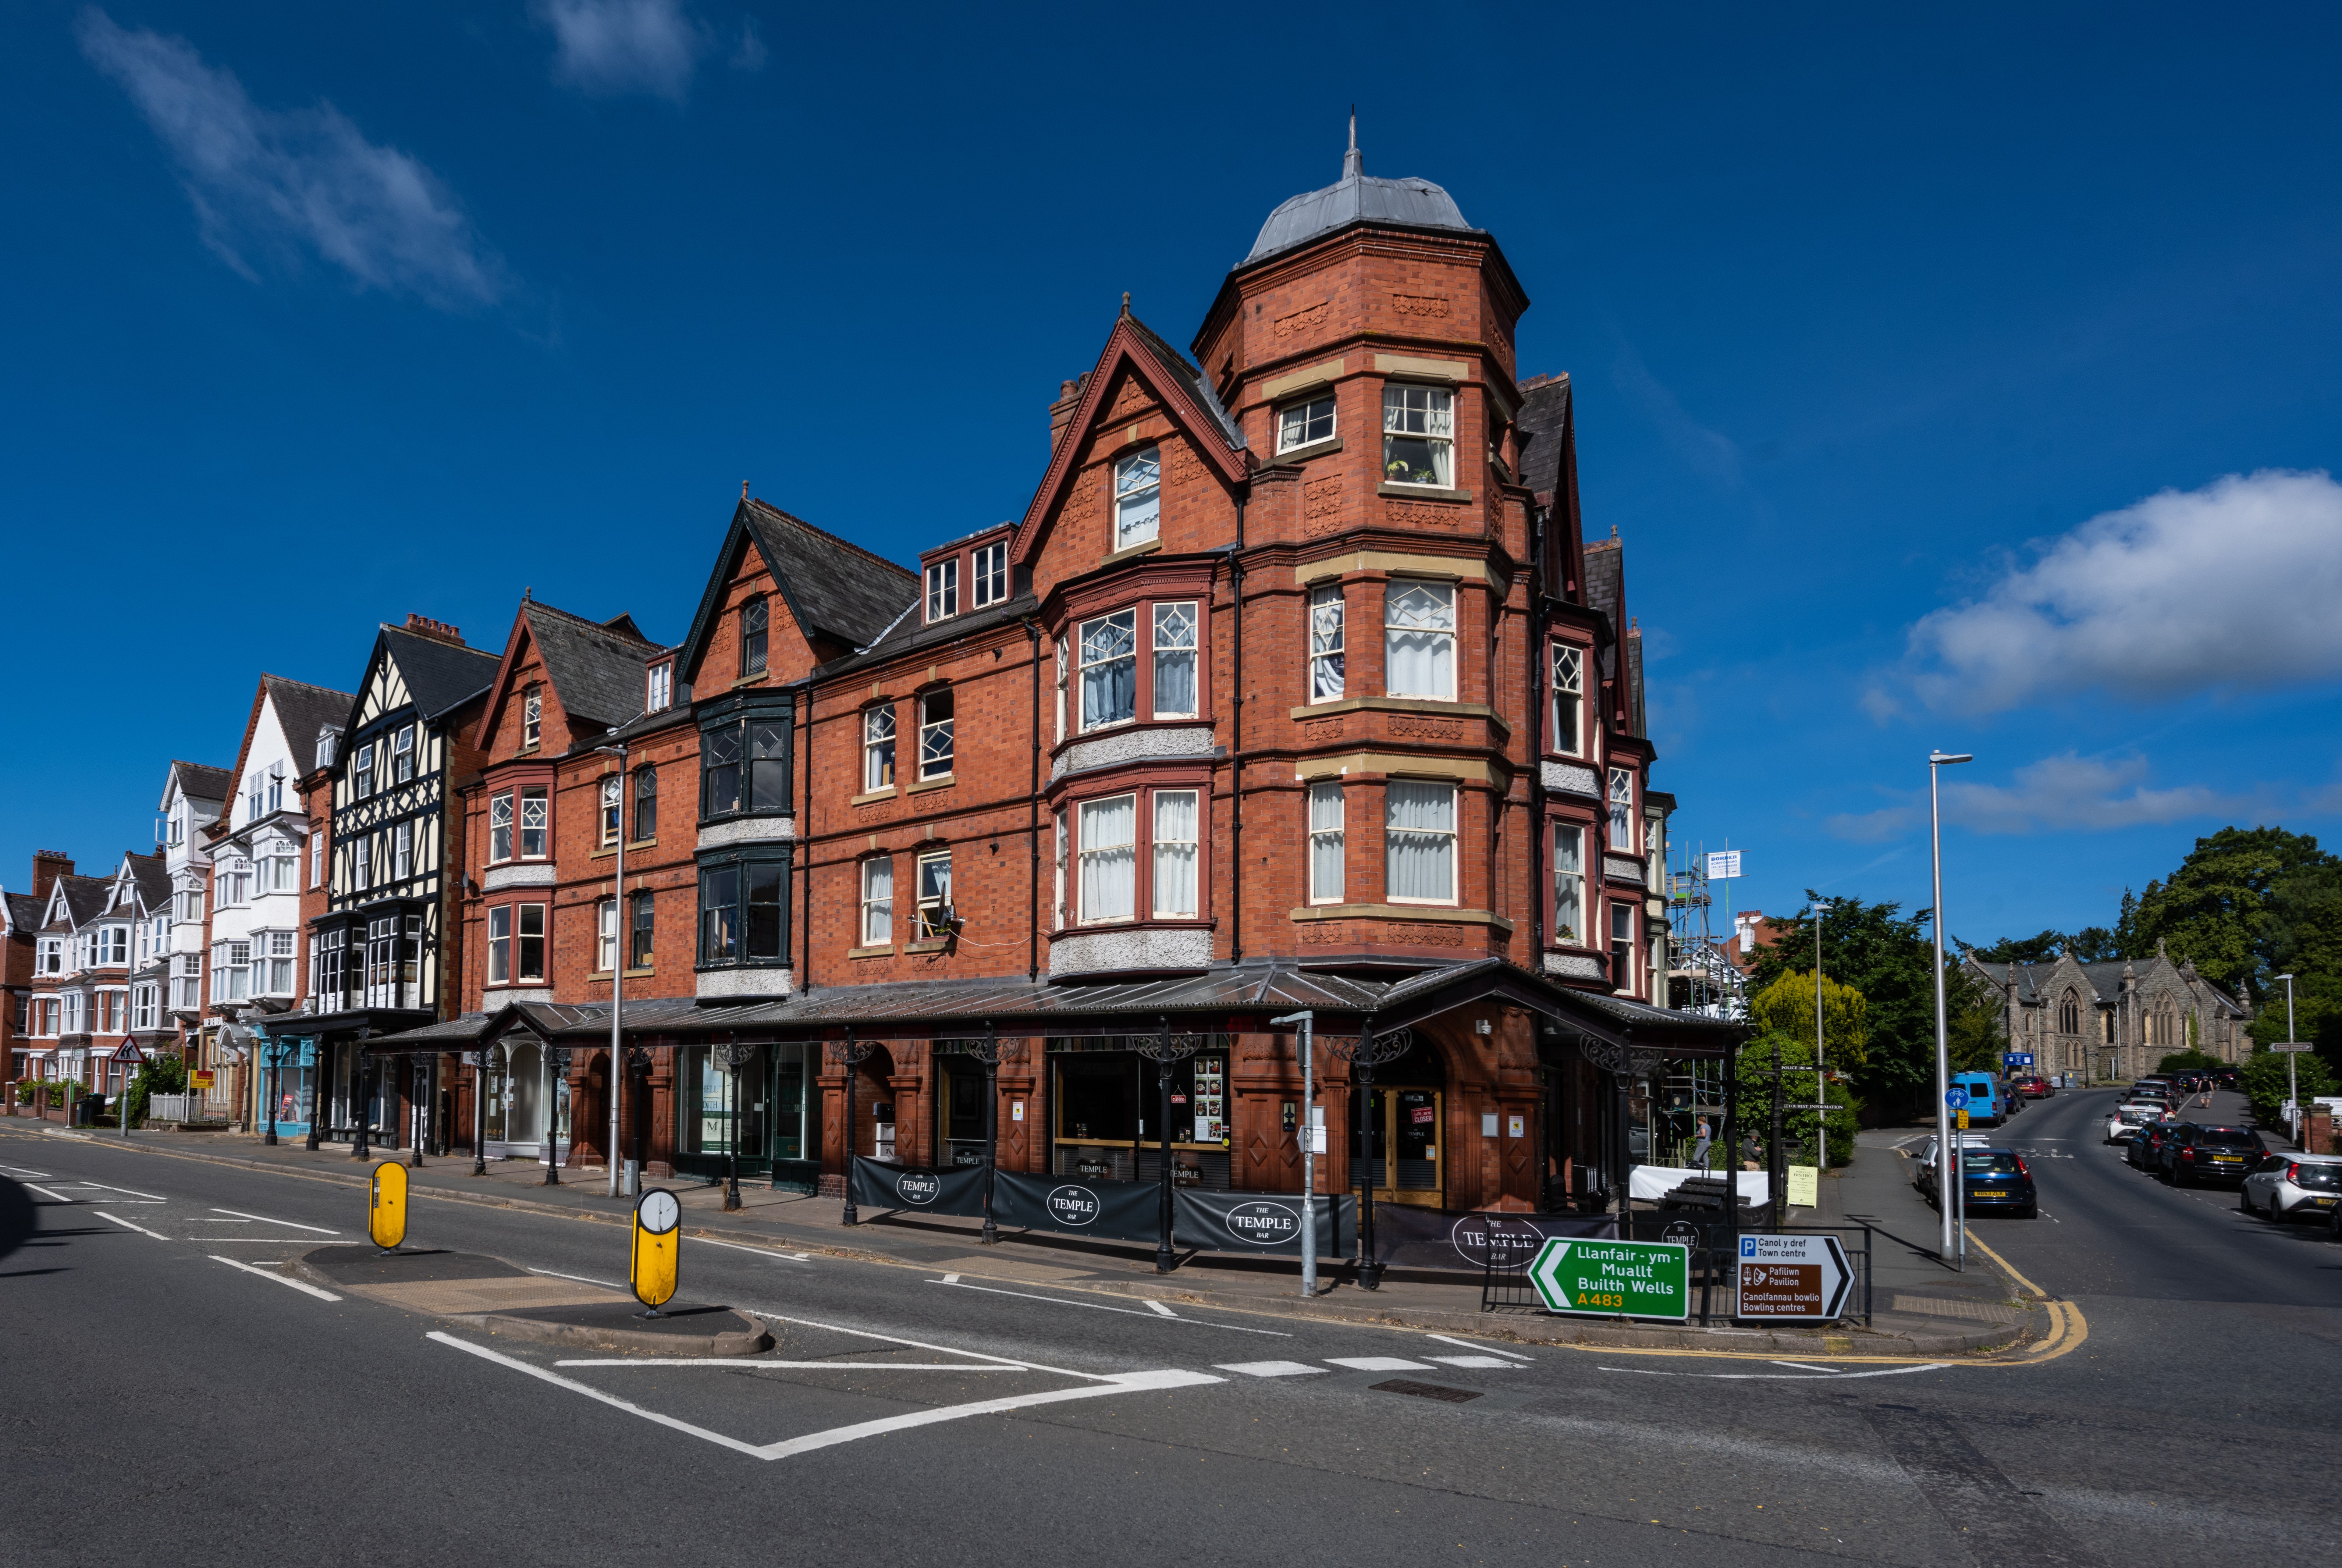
point(745, 768)
point(1419, 639)
point(1109, 860)
point(646, 804)
point(278, 979)
point(878, 902)
point(500, 935)
point(231, 971)
point(528, 957)
point(877, 749)
point(743, 912)
point(943, 589)
point(753, 628)
point(280, 869)
point(1174, 855)
point(1622, 810)
point(1109, 662)
point(236, 883)
point(1569, 698)
point(1622, 947)
point(1327, 843)
point(991, 576)
point(1137, 497)
point(535, 822)
point(1569, 884)
point(500, 826)
point(1326, 607)
point(1305, 423)
point(936, 915)
point(719, 914)
point(935, 736)
point(1419, 836)
point(1418, 435)
point(1175, 661)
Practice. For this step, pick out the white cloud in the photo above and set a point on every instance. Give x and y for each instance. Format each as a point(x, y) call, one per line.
point(751, 54)
point(2234, 585)
point(2068, 792)
point(282, 181)
point(610, 47)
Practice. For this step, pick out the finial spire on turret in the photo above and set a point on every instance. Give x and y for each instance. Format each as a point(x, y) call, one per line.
point(1353, 164)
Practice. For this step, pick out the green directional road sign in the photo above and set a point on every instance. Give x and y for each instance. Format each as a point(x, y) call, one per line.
point(1603, 1279)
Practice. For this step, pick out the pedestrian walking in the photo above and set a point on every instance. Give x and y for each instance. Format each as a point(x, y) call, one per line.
point(1699, 1149)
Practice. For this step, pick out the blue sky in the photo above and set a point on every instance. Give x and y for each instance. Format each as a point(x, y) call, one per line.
point(1958, 379)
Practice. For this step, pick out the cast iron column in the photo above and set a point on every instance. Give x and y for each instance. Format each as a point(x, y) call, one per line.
point(275, 1069)
point(853, 1053)
point(1165, 1049)
point(988, 1052)
point(729, 1055)
point(420, 1117)
point(315, 1082)
point(480, 1111)
point(1365, 1053)
point(358, 1108)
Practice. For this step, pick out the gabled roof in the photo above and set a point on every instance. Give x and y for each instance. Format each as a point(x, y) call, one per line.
point(198, 780)
point(1606, 591)
point(22, 912)
point(151, 878)
point(596, 670)
point(832, 587)
point(75, 901)
point(440, 677)
point(1543, 425)
point(302, 710)
point(1185, 392)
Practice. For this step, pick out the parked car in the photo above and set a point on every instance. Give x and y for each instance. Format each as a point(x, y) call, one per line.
point(2127, 1120)
point(2196, 1153)
point(2147, 1144)
point(2284, 1186)
point(1923, 1168)
point(1996, 1179)
point(2034, 1087)
point(1985, 1099)
point(2227, 1077)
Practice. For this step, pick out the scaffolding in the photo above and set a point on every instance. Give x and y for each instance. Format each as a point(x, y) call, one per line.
point(1703, 978)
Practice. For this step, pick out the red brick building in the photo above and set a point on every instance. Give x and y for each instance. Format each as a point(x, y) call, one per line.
point(1294, 685)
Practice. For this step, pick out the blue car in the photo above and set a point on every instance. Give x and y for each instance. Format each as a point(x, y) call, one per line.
point(1985, 1102)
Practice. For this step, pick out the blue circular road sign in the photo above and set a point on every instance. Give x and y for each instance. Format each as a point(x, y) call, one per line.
point(1955, 1098)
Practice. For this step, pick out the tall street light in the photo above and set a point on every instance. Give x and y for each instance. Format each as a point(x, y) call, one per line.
point(2292, 1083)
point(618, 965)
point(1948, 1190)
point(1821, 1083)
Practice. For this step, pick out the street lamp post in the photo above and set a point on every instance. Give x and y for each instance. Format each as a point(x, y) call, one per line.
point(1366, 1052)
point(1307, 1047)
point(617, 962)
point(1166, 1050)
point(731, 1055)
point(1948, 1195)
point(2292, 1078)
point(852, 1054)
point(1821, 1083)
point(987, 1051)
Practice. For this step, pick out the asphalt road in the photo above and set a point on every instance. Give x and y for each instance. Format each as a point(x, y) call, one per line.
point(166, 1406)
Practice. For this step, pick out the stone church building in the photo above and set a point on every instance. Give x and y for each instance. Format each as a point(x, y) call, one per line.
point(2117, 1019)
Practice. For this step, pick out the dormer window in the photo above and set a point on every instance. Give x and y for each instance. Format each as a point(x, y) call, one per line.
point(943, 589)
point(1305, 423)
point(991, 575)
point(532, 719)
point(754, 621)
point(1418, 435)
point(1137, 497)
point(327, 743)
point(659, 689)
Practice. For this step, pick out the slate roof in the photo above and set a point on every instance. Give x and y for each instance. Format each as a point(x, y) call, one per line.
point(1356, 197)
point(596, 670)
point(1606, 589)
point(25, 911)
point(85, 897)
point(153, 879)
point(1544, 424)
point(910, 634)
point(440, 677)
point(302, 710)
point(831, 585)
point(202, 781)
point(1196, 382)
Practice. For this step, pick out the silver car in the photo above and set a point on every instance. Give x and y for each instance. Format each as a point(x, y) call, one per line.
point(2125, 1124)
point(2287, 1187)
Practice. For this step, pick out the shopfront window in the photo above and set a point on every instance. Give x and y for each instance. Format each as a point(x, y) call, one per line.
point(1106, 1125)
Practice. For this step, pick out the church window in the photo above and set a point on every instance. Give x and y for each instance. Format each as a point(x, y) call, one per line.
point(2069, 1015)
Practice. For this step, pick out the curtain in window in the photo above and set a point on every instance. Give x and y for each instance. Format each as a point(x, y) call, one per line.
point(1109, 669)
point(1174, 661)
point(1138, 496)
point(1622, 810)
point(1325, 842)
point(1421, 833)
point(1109, 858)
point(1568, 883)
point(1419, 655)
point(1326, 606)
point(878, 902)
point(1174, 855)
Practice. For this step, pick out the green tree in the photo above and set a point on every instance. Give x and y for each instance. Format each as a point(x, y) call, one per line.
point(1788, 1005)
point(2214, 909)
point(1753, 1108)
point(159, 1074)
point(2265, 1083)
point(2038, 949)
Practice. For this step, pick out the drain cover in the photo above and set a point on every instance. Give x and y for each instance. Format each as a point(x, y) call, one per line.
point(1426, 1391)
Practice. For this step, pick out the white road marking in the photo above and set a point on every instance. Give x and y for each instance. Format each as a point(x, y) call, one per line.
point(1270, 1368)
point(264, 1220)
point(104, 1187)
point(59, 1197)
point(1132, 1381)
point(19, 1171)
point(922, 1344)
point(1096, 1306)
point(760, 1251)
point(1801, 1366)
point(1780, 1376)
point(303, 1286)
point(949, 1280)
point(1160, 1310)
point(581, 1279)
point(276, 1241)
point(127, 1225)
point(1376, 1364)
point(1475, 1344)
point(734, 1363)
point(1497, 1362)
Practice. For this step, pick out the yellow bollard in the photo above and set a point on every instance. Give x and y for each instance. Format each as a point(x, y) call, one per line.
point(386, 1207)
point(659, 1240)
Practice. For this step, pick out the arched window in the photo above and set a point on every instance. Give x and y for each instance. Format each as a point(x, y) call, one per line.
point(2069, 1015)
point(646, 804)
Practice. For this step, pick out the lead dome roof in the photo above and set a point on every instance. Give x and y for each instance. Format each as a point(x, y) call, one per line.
point(1357, 196)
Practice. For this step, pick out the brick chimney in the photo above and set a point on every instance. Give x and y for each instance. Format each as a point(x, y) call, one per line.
point(437, 631)
point(1061, 413)
point(48, 865)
